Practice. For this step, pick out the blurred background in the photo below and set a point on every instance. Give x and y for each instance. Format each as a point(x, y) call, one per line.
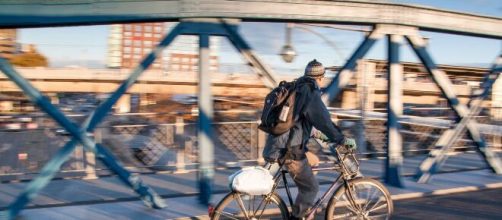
point(153, 127)
point(77, 67)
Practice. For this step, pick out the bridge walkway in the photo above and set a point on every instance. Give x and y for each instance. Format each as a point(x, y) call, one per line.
point(107, 198)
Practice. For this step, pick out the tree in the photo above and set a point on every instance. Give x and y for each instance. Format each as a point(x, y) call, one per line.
point(31, 59)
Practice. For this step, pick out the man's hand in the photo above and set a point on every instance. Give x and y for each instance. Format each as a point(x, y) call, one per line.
point(319, 135)
point(350, 143)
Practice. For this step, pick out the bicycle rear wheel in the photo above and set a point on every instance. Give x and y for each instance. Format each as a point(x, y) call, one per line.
point(368, 199)
point(240, 206)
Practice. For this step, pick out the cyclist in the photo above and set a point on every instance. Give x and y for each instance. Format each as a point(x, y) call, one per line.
point(310, 112)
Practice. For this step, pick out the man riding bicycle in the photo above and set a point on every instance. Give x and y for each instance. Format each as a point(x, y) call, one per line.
point(310, 112)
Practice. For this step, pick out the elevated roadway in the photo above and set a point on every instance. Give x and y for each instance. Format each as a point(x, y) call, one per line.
point(106, 80)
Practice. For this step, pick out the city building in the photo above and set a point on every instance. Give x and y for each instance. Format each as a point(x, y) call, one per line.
point(8, 45)
point(183, 54)
point(129, 43)
point(114, 56)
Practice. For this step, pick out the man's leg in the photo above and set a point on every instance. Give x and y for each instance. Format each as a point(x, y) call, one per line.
point(307, 184)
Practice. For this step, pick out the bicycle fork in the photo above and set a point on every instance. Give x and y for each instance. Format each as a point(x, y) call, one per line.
point(349, 189)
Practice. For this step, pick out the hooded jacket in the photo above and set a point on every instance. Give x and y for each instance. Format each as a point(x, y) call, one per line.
point(310, 112)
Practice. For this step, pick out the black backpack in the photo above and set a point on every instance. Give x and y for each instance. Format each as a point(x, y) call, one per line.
point(277, 115)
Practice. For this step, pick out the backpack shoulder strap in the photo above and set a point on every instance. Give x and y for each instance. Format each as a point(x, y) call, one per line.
point(290, 138)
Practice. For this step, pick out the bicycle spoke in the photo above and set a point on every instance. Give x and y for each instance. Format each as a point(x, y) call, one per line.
point(242, 206)
point(226, 214)
point(353, 203)
point(253, 206)
point(355, 197)
point(350, 205)
point(365, 199)
point(250, 206)
point(263, 210)
point(264, 207)
point(374, 191)
point(379, 207)
point(377, 202)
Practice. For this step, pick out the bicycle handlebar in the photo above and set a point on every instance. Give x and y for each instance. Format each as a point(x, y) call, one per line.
point(346, 158)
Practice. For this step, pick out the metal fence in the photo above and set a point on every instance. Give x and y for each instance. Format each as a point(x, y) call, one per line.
point(173, 146)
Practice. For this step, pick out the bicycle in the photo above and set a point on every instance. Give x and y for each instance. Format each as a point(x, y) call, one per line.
point(352, 197)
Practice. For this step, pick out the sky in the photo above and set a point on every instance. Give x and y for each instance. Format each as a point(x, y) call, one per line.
point(87, 45)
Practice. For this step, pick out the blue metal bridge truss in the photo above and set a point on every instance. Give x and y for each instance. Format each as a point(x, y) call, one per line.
point(221, 18)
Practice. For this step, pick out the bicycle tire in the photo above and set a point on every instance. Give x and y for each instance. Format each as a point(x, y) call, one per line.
point(344, 210)
point(229, 204)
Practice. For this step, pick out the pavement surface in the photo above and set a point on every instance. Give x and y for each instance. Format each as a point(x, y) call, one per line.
point(482, 204)
point(108, 198)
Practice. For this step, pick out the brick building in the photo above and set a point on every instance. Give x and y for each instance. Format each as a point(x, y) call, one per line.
point(129, 43)
point(8, 46)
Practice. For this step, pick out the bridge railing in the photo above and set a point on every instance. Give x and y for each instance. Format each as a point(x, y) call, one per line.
point(172, 147)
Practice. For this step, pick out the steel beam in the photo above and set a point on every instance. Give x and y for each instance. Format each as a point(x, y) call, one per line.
point(438, 76)
point(80, 135)
point(347, 71)
point(489, 79)
point(259, 67)
point(394, 111)
point(475, 104)
point(205, 131)
point(42, 13)
point(210, 26)
point(414, 120)
point(50, 169)
point(438, 155)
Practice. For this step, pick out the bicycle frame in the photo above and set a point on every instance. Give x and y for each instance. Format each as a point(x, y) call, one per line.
point(343, 178)
point(347, 182)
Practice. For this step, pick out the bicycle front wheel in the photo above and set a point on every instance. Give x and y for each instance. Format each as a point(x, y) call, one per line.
point(366, 199)
point(240, 206)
